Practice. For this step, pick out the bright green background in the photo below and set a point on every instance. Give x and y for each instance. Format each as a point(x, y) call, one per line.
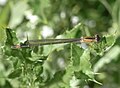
point(60, 66)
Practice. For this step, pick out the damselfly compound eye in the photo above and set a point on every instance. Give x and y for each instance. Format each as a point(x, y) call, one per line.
point(97, 38)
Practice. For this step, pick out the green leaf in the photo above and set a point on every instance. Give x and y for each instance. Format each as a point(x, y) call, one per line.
point(68, 74)
point(117, 42)
point(81, 75)
point(11, 37)
point(85, 64)
point(112, 54)
point(56, 80)
point(2, 74)
point(75, 32)
point(110, 40)
point(11, 40)
point(76, 54)
point(3, 36)
point(38, 70)
point(7, 84)
point(47, 49)
point(5, 15)
point(15, 73)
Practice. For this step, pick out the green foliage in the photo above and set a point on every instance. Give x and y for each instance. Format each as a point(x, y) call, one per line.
point(2, 36)
point(17, 18)
point(4, 15)
point(61, 65)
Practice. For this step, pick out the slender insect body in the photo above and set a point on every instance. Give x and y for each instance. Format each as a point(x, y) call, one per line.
point(30, 43)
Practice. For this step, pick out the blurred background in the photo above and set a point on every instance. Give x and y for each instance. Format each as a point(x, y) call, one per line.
point(37, 19)
point(33, 18)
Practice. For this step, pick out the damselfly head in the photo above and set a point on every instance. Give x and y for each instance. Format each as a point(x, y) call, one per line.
point(97, 38)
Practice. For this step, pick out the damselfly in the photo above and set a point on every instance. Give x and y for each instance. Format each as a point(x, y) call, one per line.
point(30, 43)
